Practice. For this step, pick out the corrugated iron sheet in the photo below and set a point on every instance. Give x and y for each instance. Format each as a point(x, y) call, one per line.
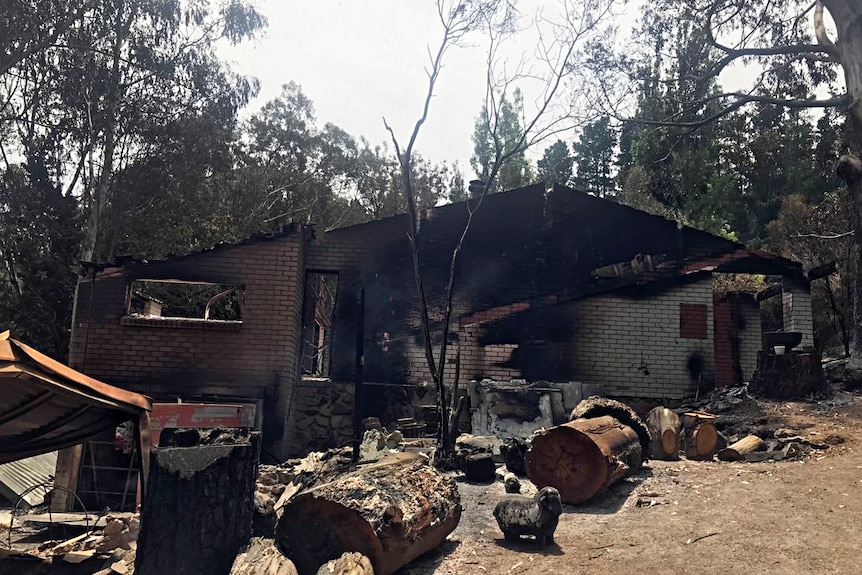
point(16, 477)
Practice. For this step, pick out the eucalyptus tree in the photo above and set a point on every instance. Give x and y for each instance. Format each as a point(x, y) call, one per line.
point(805, 55)
point(95, 82)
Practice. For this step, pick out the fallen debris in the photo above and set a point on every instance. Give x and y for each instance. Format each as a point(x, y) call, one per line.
point(262, 557)
point(513, 451)
point(347, 564)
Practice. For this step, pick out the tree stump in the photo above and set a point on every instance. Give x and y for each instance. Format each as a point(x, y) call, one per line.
point(664, 426)
point(701, 437)
point(738, 450)
point(583, 457)
point(262, 557)
point(198, 511)
point(391, 511)
point(792, 375)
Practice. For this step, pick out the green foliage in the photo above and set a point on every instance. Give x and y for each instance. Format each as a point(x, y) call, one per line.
point(39, 237)
point(498, 139)
point(557, 164)
point(594, 153)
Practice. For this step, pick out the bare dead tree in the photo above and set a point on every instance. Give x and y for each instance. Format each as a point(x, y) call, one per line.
point(552, 66)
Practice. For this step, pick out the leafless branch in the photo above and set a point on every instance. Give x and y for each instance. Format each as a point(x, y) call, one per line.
point(824, 237)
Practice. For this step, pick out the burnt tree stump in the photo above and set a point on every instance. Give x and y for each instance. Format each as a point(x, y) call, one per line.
point(787, 376)
point(198, 511)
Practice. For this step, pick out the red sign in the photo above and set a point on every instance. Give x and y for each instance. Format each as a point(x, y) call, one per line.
point(199, 415)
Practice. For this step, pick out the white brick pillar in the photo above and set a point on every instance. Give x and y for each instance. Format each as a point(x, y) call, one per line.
point(796, 295)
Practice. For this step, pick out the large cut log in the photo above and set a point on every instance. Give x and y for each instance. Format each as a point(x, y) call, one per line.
point(596, 406)
point(391, 511)
point(198, 510)
point(741, 448)
point(262, 557)
point(663, 425)
point(583, 457)
point(701, 437)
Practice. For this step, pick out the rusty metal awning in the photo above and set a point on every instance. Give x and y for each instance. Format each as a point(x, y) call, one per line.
point(45, 405)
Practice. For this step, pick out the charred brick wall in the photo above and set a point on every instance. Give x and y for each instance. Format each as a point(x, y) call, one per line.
point(523, 246)
point(166, 359)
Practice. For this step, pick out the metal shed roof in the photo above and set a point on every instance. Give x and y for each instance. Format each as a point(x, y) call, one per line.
point(45, 405)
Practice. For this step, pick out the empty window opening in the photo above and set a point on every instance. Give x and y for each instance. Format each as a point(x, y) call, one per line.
point(317, 315)
point(185, 300)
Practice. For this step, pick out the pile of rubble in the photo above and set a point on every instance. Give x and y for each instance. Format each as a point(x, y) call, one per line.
point(740, 417)
point(110, 547)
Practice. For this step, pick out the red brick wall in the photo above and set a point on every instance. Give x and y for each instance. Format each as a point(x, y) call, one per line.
point(170, 359)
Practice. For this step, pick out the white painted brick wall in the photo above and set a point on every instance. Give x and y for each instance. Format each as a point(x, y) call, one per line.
point(797, 312)
point(633, 345)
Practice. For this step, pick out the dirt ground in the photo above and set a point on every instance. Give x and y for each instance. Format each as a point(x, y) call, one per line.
point(789, 517)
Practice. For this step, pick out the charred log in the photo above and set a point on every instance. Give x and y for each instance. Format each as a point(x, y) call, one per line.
point(596, 406)
point(391, 511)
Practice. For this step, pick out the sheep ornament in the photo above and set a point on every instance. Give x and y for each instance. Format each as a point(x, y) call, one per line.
point(538, 516)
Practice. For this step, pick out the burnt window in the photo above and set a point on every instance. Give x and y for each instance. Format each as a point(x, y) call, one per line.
point(178, 299)
point(317, 313)
point(693, 321)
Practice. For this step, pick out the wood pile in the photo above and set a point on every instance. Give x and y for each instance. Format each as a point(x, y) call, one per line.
point(114, 545)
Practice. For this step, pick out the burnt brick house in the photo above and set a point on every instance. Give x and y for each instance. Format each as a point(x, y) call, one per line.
point(553, 284)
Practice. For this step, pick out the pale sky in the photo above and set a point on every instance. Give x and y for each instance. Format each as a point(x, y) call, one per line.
point(361, 60)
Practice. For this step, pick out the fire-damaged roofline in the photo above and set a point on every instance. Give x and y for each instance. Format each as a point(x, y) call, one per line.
point(742, 260)
point(121, 263)
point(721, 254)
